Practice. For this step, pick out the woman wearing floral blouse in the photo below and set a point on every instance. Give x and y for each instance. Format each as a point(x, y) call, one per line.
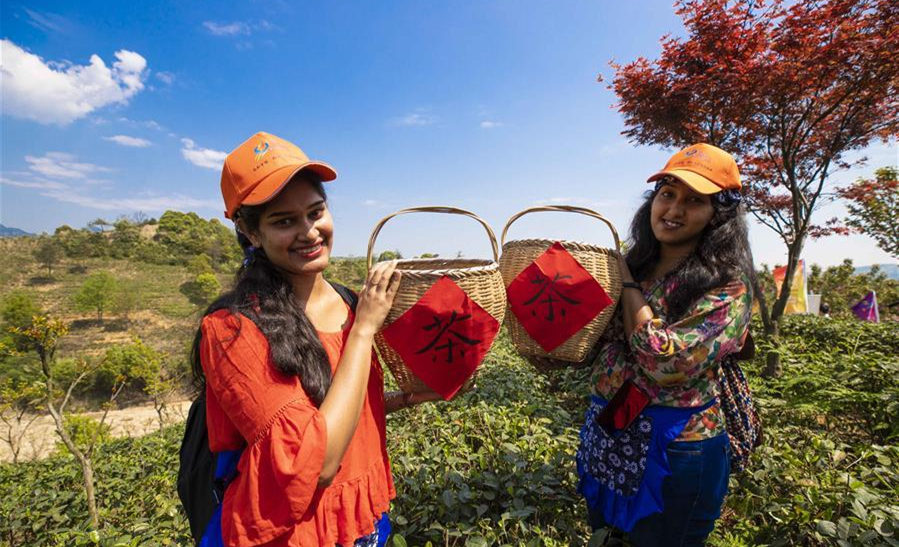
point(654, 454)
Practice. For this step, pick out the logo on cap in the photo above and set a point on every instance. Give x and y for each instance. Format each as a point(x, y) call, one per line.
point(689, 153)
point(261, 149)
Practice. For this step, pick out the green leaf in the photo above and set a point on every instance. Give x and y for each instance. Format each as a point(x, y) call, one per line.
point(827, 528)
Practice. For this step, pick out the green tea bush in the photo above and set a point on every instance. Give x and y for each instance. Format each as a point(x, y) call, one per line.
point(828, 472)
point(496, 465)
point(42, 502)
point(844, 373)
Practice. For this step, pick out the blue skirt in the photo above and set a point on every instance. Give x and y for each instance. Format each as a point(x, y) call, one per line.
point(621, 473)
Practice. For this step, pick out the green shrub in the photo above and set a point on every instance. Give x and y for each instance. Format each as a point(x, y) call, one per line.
point(828, 473)
point(135, 494)
point(202, 290)
point(83, 431)
point(496, 465)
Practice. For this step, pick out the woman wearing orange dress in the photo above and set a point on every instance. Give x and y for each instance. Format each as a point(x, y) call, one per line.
point(293, 387)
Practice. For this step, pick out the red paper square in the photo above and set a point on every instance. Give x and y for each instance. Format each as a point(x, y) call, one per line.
point(555, 297)
point(443, 337)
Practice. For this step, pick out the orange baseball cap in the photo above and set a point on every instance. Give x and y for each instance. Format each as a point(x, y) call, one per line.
point(258, 169)
point(704, 168)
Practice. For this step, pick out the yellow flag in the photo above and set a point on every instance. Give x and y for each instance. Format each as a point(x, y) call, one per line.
point(798, 301)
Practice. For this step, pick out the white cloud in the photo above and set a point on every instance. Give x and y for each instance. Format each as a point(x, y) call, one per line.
point(146, 123)
point(47, 22)
point(418, 118)
point(72, 181)
point(125, 140)
point(202, 157)
point(227, 29)
point(36, 183)
point(165, 77)
point(488, 124)
point(146, 204)
point(62, 165)
point(61, 92)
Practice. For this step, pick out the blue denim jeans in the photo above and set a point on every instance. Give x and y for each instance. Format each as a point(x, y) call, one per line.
point(693, 495)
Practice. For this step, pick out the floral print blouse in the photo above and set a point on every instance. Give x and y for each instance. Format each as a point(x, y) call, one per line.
point(676, 363)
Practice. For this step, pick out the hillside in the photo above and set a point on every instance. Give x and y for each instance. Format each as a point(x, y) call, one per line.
point(161, 315)
point(6, 231)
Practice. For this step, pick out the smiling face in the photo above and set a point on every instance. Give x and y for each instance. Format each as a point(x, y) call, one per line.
point(679, 215)
point(296, 230)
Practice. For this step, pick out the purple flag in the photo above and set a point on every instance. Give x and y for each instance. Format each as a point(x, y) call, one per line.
point(866, 308)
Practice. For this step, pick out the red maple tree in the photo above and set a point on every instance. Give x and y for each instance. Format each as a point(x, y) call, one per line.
point(788, 89)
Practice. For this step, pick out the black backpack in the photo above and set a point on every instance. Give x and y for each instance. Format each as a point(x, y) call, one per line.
point(200, 486)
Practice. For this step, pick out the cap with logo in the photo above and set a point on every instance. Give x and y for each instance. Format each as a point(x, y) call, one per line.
point(704, 168)
point(258, 169)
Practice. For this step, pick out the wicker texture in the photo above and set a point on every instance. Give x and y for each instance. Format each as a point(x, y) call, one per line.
point(600, 262)
point(478, 278)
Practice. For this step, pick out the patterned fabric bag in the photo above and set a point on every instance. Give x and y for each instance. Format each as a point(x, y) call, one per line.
point(744, 427)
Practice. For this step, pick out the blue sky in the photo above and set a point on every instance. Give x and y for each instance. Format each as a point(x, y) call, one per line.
point(110, 108)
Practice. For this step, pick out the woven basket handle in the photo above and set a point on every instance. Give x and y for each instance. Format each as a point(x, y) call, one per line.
point(431, 209)
point(562, 209)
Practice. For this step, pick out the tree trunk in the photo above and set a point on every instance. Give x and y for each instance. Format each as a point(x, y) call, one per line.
point(771, 330)
point(87, 469)
point(160, 409)
point(773, 368)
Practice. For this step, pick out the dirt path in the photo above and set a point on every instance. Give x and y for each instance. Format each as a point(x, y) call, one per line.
point(41, 438)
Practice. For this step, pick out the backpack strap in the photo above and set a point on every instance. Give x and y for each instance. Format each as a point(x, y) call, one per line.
point(350, 297)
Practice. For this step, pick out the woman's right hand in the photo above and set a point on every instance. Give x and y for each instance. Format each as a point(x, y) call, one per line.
point(377, 296)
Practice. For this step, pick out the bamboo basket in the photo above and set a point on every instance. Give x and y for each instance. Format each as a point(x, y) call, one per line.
point(600, 262)
point(478, 278)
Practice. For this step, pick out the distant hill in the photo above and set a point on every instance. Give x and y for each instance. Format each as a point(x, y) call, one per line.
point(12, 232)
point(892, 270)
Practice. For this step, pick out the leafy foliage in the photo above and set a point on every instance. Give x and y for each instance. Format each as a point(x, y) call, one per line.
point(177, 238)
point(495, 466)
point(874, 206)
point(97, 293)
point(203, 289)
point(16, 311)
point(135, 492)
point(185, 235)
point(828, 473)
point(48, 253)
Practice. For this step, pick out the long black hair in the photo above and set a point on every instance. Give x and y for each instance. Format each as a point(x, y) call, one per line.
point(265, 296)
point(722, 254)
